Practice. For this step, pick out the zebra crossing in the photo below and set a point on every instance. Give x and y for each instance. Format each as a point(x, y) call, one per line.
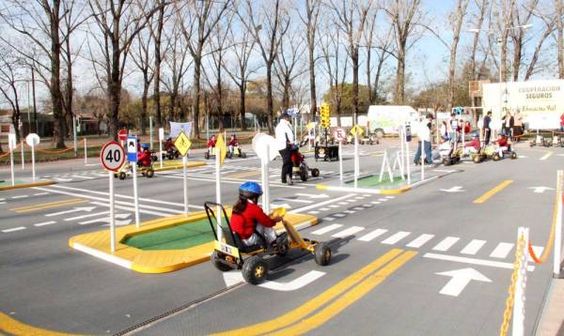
point(473, 247)
point(76, 176)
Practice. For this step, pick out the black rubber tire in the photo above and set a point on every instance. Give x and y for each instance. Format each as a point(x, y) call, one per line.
point(255, 270)
point(315, 172)
point(513, 156)
point(477, 159)
point(170, 156)
point(242, 155)
point(496, 157)
point(207, 156)
point(150, 173)
point(218, 264)
point(446, 162)
point(303, 174)
point(122, 176)
point(177, 155)
point(322, 254)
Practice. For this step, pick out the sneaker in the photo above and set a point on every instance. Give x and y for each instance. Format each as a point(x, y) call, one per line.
point(290, 182)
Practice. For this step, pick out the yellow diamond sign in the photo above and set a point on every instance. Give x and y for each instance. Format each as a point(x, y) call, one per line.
point(221, 148)
point(182, 143)
point(357, 130)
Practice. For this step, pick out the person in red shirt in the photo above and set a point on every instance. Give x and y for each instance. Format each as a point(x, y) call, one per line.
point(232, 144)
point(249, 221)
point(144, 158)
point(211, 142)
point(503, 144)
point(562, 123)
point(472, 146)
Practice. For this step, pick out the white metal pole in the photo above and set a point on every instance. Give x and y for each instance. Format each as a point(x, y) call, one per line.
point(23, 159)
point(519, 305)
point(356, 162)
point(161, 152)
point(558, 229)
point(408, 160)
point(218, 195)
point(112, 214)
point(74, 136)
point(85, 153)
point(341, 161)
point(422, 159)
point(185, 177)
point(33, 162)
point(266, 183)
point(135, 193)
point(402, 152)
point(151, 132)
point(12, 165)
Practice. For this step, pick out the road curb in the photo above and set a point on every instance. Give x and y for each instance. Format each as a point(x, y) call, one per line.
point(28, 185)
point(192, 164)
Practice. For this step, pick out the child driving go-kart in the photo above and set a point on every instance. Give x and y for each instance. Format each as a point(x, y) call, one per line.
point(233, 148)
point(503, 147)
point(211, 147)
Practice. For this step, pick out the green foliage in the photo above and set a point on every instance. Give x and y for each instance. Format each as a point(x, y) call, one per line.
point(345, 92)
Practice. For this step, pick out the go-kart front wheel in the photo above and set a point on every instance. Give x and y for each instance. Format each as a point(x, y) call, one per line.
point(218, 264)
point(122, 175)
point(207, 156)
point(477, 159)
point(255, 270)
point(322, 254)
point(496, 157)
point(513, 155)
point(242, 155)
point(303, 174)
point(315, 172)
point(150, 173)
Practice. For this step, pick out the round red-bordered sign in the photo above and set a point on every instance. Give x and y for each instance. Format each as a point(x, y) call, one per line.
point(112, 156)
point(122, 134)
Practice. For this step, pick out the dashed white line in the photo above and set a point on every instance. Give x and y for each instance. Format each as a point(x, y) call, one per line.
point(313, 212)
point(396, 238)
point(19, 228)
point(382, 199)
point(374, 234)
point(349, 211)
point(44, 223)
point(420, 241)
point(375, 202)
point(330, 219)
point(323, 209)
point(339, 215)
point(445, 244)
point(19, 196)
point(501, 250)
point(348, 232)
point(473, 247)
point(327, 229)
point(546, 156)
point(333, 206)
point(41, 194)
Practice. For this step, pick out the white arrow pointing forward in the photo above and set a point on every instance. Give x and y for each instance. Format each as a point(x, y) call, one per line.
point(71, 211)
point(314, 196)
point(460, 278)
point(234, 277)
point(541, 189)
point(453, 189)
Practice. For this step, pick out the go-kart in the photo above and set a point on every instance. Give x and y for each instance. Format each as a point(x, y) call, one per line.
point(498, 156)
point(126, 170)
point(230, 253)
point(210, 153)
point(540, 140)
point(170, 153)
point(451, 155)
point(300, 167)
point(485, 152)
point(236, 151)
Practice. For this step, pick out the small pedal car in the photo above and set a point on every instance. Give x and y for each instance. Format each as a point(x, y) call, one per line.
point(485, 152)
point(210, 153)
point(540, 140)
point(500, 154)
point(230, 253)
point(300, 167)
point(126, 170)
point(450, 153)
point(236, 151)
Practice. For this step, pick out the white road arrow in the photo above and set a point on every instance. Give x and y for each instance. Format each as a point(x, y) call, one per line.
point(541, 189)
point(460, 278)
point(453, 189)
point(313, 196)
point(234, 277)
point(77, 209)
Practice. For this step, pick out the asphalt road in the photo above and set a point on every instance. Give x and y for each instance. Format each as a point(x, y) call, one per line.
point(394, 256)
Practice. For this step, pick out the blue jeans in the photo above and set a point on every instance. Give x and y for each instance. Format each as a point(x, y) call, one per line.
point(427, 148)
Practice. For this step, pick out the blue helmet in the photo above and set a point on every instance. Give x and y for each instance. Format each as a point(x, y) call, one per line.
point(250, 189)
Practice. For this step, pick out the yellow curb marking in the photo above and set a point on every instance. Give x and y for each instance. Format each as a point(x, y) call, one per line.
point(15, 327)
point(27, 185)
point(43, 206)
point(314, 304)
point(492, 192)
point(243, 174)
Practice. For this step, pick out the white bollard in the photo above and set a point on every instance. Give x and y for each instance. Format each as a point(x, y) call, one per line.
point(23, 159)
point(422, 159)
point(12, 165)
point(33, 163)
point(185, 178)
point(218, 195)
point(151, 132)
point(266, 183)
point(85, 153)
point(341, 161)
point(356, 161)
point(558, 224)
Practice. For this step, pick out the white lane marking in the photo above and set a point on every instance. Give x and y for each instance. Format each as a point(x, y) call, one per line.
point(474, 261)
point(375, 202)
point(374, 234)
point(19, 228)
point(338, 199)
point(343, 203)
point(390, 197)
point(538, 250)
point(460, 279)
point(330, 219)
point(327, 229)
point(87, 216)
point(83, 177)
point(44, 223)
point(2, 202)
point(77, 209)
point(324, 209)
point(473, 247)
point(104, 256)
point(292, 200)
point(58, 179)
point(382, 199)
point(107, 220)
point(396, 238)
point(2, 199)
point(333, 206)
point(546, 156)
point(19, 196)
point(313, 212)
point(358, 208)
point(100, 174)
point(501, 250)
point(41, 194)
point(339, 215)
point(348, 232)
point(420, 241)
point(368, 195)
point(349, 211)
point(446, 243)
point(131, 208)
point(295, 284)
point(238, 181)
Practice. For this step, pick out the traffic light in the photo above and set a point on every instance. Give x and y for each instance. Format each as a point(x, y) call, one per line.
point(324, 114)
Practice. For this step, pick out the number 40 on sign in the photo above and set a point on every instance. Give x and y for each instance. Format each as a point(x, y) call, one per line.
point(112, 156)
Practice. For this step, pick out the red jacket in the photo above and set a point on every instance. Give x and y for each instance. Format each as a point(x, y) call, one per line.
point(502, 142)
point(233, 142)
point(211, 143)
point(144, 158)
point(244, 223)
point(474, 143)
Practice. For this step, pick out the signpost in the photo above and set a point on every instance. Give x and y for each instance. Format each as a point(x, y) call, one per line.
point(122, 135)
point(265, 148)
point(12, 145)
point(132, 158)
point(32, 140)
point(407, 158)
point(356, 131)
point(220, 153)
point(161, 139)
point(112, 158)
point(182, 144)
point(340, 135)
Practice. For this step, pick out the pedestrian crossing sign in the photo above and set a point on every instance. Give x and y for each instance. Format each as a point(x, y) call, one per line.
point(357, 130)
point(182, 143)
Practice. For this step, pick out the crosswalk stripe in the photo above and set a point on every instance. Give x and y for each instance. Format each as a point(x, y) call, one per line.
point(44, 223)
point(327, 229)
point(501, 250)
point(473, 247)
point(396, 238)
point(19, 228)
point(330, 219)
point(83, 177)
point(420, 241)
point(445, 244)
point(374, 234)
point(348, 232)
point(538, 250)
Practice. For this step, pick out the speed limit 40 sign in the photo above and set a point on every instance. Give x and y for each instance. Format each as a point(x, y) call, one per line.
point(112, 156)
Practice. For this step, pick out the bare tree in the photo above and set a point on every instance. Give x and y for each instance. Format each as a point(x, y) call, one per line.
point(39, 24)
point(550, 25)
point(368, 39)
point(482, 8)
point(268, 34)
point(311, 21)
point(521, 16)
point(351, 16)
point(291, 51)
point(10, 73)
point(456, 21)
point(142, 57)
point(405, 15)
point(119, 22)
point(384, 49)
point(199, 19)
point(559, 14)
point(157, 32)
point(504, 14)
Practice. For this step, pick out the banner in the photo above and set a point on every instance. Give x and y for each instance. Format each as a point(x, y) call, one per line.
point(176, 127)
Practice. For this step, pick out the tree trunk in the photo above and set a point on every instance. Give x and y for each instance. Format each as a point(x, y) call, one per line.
point(143, 116)
point(400, 77)
point(269, 98)
point(114, 90)
point(312, 86)
point(286, 93)
point(242, 90)
point(560, 37)
point(354, 58)
point(196, 96)
point(157, 70)
point(55, 89)
point(517, 55)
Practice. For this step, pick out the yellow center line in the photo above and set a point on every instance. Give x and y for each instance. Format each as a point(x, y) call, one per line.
point(492, 192)
point(14, 327)
point(305, 309)
point(348, 298)
point(49, 205)
point(244, 174)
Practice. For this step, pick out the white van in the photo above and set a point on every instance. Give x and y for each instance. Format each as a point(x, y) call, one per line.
point(386, 119)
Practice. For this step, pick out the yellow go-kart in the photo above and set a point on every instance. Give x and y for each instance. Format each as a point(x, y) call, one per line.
point(230, 252)
point(126, 170)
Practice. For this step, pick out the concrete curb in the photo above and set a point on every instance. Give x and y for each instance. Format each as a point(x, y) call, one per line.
point(28, 185)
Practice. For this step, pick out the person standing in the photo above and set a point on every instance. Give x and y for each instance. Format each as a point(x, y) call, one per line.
point(424, 134)
point(285, 140)
point(517, 126)
point(487, 129)
point(562, 123)
point(507, 124)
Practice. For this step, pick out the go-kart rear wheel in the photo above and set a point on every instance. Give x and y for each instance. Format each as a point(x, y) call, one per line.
point(150, 173)
point(496, 157)
point(242, 155)
point(218, 264)
point(446, 162)
point(513, 155)
point(170, 156)
point(122, 176)
point(207, 155)
point(303, 174)
point(477, 159)
point(322, 254)
point(177, 155)
point(315, 172)
point(255, 270)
